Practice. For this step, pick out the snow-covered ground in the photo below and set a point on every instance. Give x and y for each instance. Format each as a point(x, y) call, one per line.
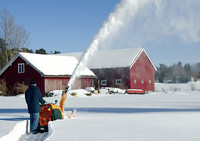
point(169, 114)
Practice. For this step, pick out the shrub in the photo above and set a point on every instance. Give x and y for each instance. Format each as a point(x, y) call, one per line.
point(20, 88)
point(174, 89)
point(3, 87)
point(192, 87)
point(6, 90)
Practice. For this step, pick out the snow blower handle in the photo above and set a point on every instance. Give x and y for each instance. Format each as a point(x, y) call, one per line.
point(63, 98)
point(66, 89)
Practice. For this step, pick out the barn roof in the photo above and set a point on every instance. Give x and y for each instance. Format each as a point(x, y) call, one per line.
point(50, 64)
point(112, 58)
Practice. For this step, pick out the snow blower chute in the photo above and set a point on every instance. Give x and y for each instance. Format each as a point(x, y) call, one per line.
point(51, 112)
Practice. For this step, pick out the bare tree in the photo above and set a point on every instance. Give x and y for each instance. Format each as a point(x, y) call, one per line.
point(14, 36)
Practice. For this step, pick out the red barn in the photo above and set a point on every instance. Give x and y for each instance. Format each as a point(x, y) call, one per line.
point(129, 68)
point(49, 71)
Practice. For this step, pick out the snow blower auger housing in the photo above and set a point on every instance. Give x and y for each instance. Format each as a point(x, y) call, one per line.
point(51, 112)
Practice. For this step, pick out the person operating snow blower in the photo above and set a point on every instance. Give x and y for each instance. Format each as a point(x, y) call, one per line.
point(51, 112)
point(33, 98)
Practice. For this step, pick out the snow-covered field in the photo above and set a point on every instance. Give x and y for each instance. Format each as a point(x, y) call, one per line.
point(172, 113)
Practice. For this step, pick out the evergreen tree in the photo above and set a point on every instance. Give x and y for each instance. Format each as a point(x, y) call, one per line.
point(57, 52)
point(41, 51)
point(161, 73)
point(188, 72)
point(27, 50)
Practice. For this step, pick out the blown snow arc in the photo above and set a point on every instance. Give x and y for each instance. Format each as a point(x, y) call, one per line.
point(122, 14)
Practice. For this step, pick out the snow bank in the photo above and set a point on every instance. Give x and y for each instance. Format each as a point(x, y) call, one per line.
point(171, 87)
point(90, 89)
point(110, 90)
point(79, 92)
point(16, 132)
point(51, 131)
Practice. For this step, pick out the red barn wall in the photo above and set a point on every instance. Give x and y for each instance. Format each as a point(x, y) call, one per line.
point(82, 83)
point(111, 74)
point(142, 74)
point(12, 76)
point(86, 82)
point(56, 83)
point(60, 83)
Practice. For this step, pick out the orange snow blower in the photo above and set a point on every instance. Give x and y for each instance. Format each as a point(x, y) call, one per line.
point(51, 112)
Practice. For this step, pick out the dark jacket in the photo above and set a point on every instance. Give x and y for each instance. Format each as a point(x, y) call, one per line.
point(33, 98)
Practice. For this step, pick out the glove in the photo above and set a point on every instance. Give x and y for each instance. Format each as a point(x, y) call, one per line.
point(43, 103)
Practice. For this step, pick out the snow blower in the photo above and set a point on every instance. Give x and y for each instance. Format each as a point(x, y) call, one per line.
point(51, 112)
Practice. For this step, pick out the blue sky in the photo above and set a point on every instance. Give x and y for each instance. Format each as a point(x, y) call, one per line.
point(63, 25)
point(168, 30)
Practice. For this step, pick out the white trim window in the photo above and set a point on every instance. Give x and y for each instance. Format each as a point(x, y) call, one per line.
point(135, 81)
point(149, 81)
point(21, 68)
point(118, 81)
point(103, 82)
point(142, 81)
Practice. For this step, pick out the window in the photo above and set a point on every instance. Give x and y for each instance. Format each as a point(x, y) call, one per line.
point(21, 68)
point(149, 81)
point(135, 81)
point(118, 82)
point(103, 82)
point(142, 81)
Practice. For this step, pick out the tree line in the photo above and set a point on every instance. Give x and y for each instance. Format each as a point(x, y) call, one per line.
point(177, 73)
point(13, 39)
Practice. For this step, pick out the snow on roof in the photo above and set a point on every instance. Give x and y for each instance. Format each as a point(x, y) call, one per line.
point(111, 58)
point(52, 65)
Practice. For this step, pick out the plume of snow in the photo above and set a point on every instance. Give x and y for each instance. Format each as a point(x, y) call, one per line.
point(123, 12)
point(135, 22)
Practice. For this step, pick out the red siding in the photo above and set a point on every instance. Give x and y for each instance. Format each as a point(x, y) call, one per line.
point(12, 76)
point(55, 83)
point(60, 83)
point(111, 74)
point(144, 71)
point(86, 82)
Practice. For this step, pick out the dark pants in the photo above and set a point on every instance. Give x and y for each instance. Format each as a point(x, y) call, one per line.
point(34, 119)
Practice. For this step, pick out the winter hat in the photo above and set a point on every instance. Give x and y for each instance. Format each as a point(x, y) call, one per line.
point(33, 82)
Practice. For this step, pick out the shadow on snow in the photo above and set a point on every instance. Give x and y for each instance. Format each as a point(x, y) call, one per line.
point(13, 111)
point(96, 110)
point(14, 119)
point(10, 113)
point(131, 110)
